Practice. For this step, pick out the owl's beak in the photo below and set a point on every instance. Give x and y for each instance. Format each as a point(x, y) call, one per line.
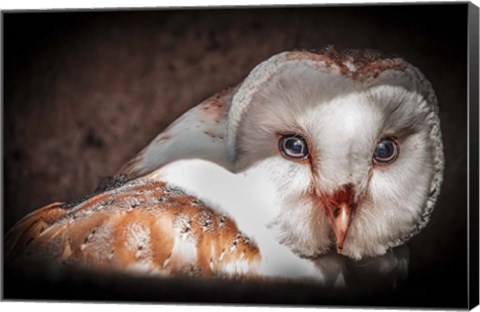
point(340, 209)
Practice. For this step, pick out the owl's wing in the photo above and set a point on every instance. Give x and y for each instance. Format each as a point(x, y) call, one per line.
point(199, 133)
point(31, 226)
point(142, 226)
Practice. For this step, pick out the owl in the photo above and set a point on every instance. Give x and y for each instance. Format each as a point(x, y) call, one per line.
point(316, 162)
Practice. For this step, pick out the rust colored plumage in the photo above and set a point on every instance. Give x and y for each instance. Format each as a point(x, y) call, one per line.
point(143, 226)
point(367, 63)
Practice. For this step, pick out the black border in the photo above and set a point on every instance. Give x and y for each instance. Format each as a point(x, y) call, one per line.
point(473, 95)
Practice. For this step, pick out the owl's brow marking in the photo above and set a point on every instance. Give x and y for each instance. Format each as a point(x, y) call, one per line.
point(366, 63)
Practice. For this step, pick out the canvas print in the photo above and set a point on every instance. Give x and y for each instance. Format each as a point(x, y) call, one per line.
point(297, 155)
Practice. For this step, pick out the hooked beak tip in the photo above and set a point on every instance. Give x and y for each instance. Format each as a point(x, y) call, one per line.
point(340, 222)
point(340, 207)
point(340, 239)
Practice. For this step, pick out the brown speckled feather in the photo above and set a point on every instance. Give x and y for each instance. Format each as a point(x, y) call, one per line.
point(143, 226)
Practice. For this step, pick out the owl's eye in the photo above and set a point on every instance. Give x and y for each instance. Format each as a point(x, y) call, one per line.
point(386, 151)
point(293, 146)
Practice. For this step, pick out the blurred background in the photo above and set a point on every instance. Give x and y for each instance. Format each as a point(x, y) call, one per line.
point(85, 91)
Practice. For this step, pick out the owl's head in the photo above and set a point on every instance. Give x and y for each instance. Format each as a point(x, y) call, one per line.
point(351, 141)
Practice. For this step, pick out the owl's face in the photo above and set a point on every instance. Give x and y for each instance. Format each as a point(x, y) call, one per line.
point(355, 161)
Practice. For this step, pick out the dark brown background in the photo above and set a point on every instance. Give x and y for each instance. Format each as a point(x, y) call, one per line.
point(85, 91)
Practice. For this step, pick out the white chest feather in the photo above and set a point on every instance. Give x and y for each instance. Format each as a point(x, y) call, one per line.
point(251, 200)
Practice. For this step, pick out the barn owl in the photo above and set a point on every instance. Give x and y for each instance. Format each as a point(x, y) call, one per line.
point(314, 156)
